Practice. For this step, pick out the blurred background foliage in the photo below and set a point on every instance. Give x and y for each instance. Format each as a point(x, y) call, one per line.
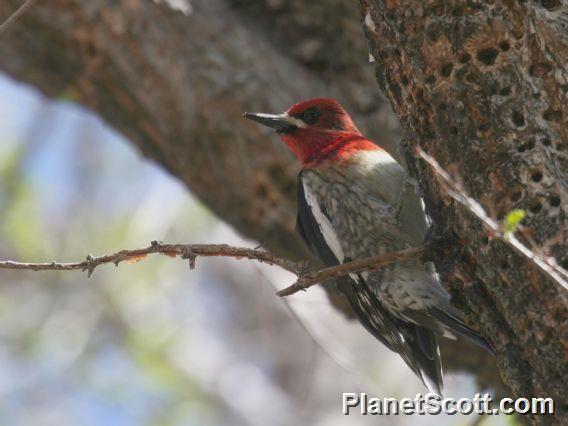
point(153, 343)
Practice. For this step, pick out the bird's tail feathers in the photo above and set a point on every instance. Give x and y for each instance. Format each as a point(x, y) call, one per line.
point(431, 370)
point(432, 385)
point(417, 345)
point(453, 323)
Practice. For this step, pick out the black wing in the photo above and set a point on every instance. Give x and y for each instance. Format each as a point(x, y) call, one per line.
point(417, 346)
point(309, 229)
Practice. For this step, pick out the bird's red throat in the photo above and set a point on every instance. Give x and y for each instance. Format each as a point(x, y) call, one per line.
point(313, 147)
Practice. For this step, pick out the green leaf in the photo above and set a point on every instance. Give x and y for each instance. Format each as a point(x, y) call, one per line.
point(513, 219)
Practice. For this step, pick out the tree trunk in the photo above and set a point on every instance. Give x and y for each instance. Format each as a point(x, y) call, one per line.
point(176, 85)
point(483, 88)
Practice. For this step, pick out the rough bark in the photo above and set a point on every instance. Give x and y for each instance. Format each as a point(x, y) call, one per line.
point(176, 87)
point(483, 87)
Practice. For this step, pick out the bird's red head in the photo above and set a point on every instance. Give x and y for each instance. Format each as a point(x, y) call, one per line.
point(316, 129)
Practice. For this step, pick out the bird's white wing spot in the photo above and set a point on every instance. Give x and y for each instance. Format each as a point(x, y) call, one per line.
point(325, 225)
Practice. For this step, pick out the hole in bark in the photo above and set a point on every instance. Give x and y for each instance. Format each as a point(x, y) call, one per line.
point(432, 32)
point(535, 206)
point(503, 264)
point(536, 176)
point(564, 263)
point(539, 69)
point(487, 56)
point(261, 190)
point(471, 78)
point(518, 119)
point(491, 90)
point(430, 79)
point(428, 131)
point(458, 11)
point(454, 130)
point(465, 58)
point(516, 195)
point(504, 45)
point(505, 91)
point(546, 141)
point(554, 200)
point(550, 4)
point(483, 127)
point(404, 80)
point(552, 115)
point(420, 95)
point(526, 147)
point(485, 240)
point(446, 69)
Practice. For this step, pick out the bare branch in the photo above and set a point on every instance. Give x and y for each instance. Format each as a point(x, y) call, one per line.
point(546, 264)
point(192, 251)
point(14, 16)
point(356, 266)
point(186, 251)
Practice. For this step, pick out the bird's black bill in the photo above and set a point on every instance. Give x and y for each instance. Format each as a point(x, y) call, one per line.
point(276, 122)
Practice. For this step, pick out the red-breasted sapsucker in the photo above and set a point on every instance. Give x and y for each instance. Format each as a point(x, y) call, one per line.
point(355, 201)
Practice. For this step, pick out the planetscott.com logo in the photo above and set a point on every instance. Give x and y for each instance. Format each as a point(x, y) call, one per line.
point(434, 404)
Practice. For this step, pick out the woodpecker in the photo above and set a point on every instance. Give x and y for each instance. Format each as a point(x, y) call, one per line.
point(355, 201)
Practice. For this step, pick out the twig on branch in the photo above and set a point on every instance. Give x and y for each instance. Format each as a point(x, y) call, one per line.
point(192, 251)
point(186, 251)
point(356, 266)
point(14, 16)
point(546, 264)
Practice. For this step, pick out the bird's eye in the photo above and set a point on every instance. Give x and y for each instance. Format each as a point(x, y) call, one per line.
point(310, 116)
